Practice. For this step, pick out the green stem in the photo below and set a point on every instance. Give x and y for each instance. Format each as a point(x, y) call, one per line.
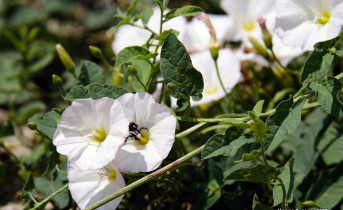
point(232, 121)
point(219, 78)
point(263, 152)
point(50, 197)
point(189, 130)
point(339, 76)
point(284, 203)
point(33, 198)
point(282, 66)
point(146, 179)
point(2, 144)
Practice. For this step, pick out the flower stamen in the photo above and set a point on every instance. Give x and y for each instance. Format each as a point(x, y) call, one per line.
point(249, 26)
point(99, 135)
point(324, 18)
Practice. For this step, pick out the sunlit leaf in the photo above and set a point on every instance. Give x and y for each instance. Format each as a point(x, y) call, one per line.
point(287, 178)
point(95, 91)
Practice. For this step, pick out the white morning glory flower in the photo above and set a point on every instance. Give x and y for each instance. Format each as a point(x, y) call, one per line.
point(91, 132)
point(306, 22)
point(128, 35)
point(246, 15)
point(89, 186)
point(197, 36)
point(151, 137)
point(229, 70)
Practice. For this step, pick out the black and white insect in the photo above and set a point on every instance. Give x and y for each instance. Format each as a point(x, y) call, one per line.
point(135, 132)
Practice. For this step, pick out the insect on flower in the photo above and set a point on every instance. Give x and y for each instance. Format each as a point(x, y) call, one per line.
point(136, 133)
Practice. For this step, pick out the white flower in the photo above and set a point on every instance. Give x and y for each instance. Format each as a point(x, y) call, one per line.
point(128, 35)
point(229, 70)
point(91, 132)
point(306, 22)
point(245, 15)
point(197, 36)
point(155, 129)
point(90, 186)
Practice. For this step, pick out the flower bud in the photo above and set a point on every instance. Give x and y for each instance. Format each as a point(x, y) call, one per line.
point(56, 80)
point(65, 58)
point(259, 47)
point(32, 125)
point(171, 87)
point(96, 52)
point(214, 48)
point(266, 35)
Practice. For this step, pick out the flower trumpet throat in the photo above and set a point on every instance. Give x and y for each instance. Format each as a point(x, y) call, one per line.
point(324, 18)
point(145, 137)
point(99, 135)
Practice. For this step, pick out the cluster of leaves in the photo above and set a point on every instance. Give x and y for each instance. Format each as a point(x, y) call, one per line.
point(273, 158)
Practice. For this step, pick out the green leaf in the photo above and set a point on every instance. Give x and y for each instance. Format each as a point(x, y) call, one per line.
point(46, 124)
point(95, 91)
point(28, 110)
point(311, 138)
point(121, 23)
point(28, 186)
point(176, 67)
point(130, 53)
point(91, 73)
point(254, 155)
point(188, 10)
point(332, 154)
point(258, 107)
point(220, 144)
point(315, 76)
point(165, 33)
point(287, 178)
point(160, 5)
point(260, 173)
point(326, 188)
point(257, 205)
point(340, 145)
point(283, 122)
point(326, 93)
point(143, 69)
point(53, 160)
point(47, 186)
point(146, 15)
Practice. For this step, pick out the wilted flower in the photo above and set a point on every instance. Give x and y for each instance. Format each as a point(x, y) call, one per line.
point(90, 186)
point(306, 22)
point(91, 132)
point(152, 129)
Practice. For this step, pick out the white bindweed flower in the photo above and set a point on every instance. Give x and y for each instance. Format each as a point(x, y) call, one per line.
point(245, 15)
point(91, 132)
point(197, 36)
point(88, 187)
point(152, 130)
point(306, 22)
point(128, 35)
point(229, 70)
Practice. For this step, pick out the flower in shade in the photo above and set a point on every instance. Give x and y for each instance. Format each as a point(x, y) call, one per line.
point(151, 137)
point(229, 70)
point(91, 132)
point(128, 35)
point(89, 186)
point(306, 22)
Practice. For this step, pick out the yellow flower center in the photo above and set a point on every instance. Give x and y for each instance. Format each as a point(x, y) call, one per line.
point(324, 18)
point(99, 135)
point(249, 26)
point(112, 174)
point(145, 137)
point(212, 90)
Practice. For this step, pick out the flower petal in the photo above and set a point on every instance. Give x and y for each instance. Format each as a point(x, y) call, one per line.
point(90, 186)
point(74, 136)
